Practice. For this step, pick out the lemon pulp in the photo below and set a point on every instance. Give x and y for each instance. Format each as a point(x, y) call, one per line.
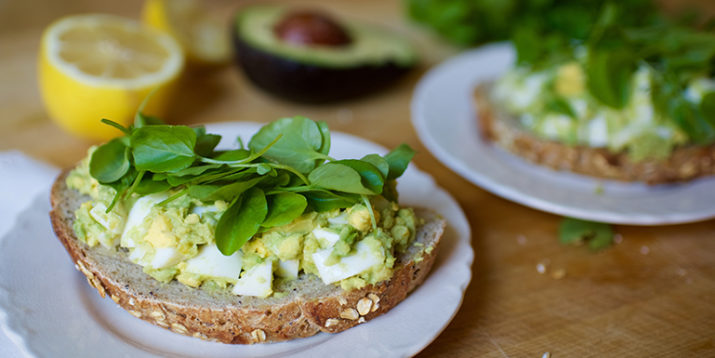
point(101, 66)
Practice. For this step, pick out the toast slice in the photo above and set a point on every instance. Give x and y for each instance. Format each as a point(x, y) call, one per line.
point(685, 163)
point(308, 307)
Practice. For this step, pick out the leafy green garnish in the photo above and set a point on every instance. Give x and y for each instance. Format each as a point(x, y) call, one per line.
point(284, 171)
point(577, 231)
point(470, 22)
point(241, 221)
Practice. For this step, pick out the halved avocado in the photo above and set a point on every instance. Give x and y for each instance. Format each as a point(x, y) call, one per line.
point(370, 59)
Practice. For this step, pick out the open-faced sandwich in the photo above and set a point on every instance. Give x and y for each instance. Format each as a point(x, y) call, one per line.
point(263, 243)
point(633, 104)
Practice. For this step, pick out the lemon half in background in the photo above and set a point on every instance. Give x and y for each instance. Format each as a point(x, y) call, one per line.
point(103, 66)
point(204, 40)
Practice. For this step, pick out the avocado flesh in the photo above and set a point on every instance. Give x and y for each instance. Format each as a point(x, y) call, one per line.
point(317, 74)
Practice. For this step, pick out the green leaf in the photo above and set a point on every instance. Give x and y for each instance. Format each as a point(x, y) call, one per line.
point(208, 192)
point(263, 169)
point(325, 133)
point(608, 76)
point(149, 186)
point(379, 162)
point(389, 191)
point(110, 161)
point(205, 143)
point(241, 221)
point(707, 107)
point(398, 159)
point(299, 145)
point(560, 105)
point(577, 231)
point(283, 208)
point(324, 200)
point(142, 120)
point(340, 177)
point(233, 155)
point(371, 177)
point(163, 148)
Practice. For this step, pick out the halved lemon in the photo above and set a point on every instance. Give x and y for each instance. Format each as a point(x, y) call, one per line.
point(102, 66)
point(203, 39)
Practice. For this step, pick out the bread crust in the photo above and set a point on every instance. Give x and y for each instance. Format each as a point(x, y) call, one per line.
point(224, 317)
point(685, 163)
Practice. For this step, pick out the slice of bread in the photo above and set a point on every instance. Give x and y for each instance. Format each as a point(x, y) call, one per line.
point(684, 163)
point(308, 306)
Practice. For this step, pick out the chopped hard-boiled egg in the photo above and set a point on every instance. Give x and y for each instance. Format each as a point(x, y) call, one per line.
point(364, 258)
point(288, 269)
point(339, 220)
point(165, 257)
point(257, 281)
point(141, 209)
point(160, 234)
point(210, 262)
point(330, 236)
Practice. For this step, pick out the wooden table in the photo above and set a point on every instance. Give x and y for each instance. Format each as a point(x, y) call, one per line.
point(651, 295)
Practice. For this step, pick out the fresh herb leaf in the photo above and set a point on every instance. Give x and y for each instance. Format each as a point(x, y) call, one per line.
point(222, 192)
point(283, 208)
point(150, 186)
point(163, 148)
point(340, 177)
point(241, 221)
point(608, 76)
point(110, 161)
point(577, 231)
point(300, 145)
point(379, 162)
point(325, 200)
point(398, 159)
point(233, 155)
point(205, 143)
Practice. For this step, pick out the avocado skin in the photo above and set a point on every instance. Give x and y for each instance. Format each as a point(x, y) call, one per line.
point(308, 83)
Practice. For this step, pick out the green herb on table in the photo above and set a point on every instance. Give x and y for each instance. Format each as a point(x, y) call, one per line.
point(285, 170)
point(577, 232)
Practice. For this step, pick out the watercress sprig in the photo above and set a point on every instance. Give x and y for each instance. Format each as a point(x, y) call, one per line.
point(284, 171)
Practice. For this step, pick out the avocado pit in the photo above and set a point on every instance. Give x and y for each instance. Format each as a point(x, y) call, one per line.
point(311, 28)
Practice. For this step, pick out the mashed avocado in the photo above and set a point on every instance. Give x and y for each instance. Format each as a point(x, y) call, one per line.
point(175, 240)
point(555, 104)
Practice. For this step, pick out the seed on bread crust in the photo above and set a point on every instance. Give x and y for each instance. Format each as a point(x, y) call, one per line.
point(364, 306)
point(331, 322)
point(178, 328)
point(258, 335)
point(349, 313)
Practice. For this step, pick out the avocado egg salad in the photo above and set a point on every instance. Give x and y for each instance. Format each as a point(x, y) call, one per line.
point(642, 91)
point(241, 219)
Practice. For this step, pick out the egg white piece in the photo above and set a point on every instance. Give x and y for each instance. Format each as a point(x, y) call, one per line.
point(100, 215)
point(201, 210)
point(165, 257)
point(212, 263)
point(348, 266)
point(257, 281)
point(341, 219)
point(141, 210)
point(328, 235)
point(288, 269)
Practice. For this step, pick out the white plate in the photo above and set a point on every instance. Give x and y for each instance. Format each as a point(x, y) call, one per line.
point(444, 116)
point(49, 310)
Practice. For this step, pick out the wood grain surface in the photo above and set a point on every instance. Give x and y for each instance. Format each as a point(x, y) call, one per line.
point(652, 295)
